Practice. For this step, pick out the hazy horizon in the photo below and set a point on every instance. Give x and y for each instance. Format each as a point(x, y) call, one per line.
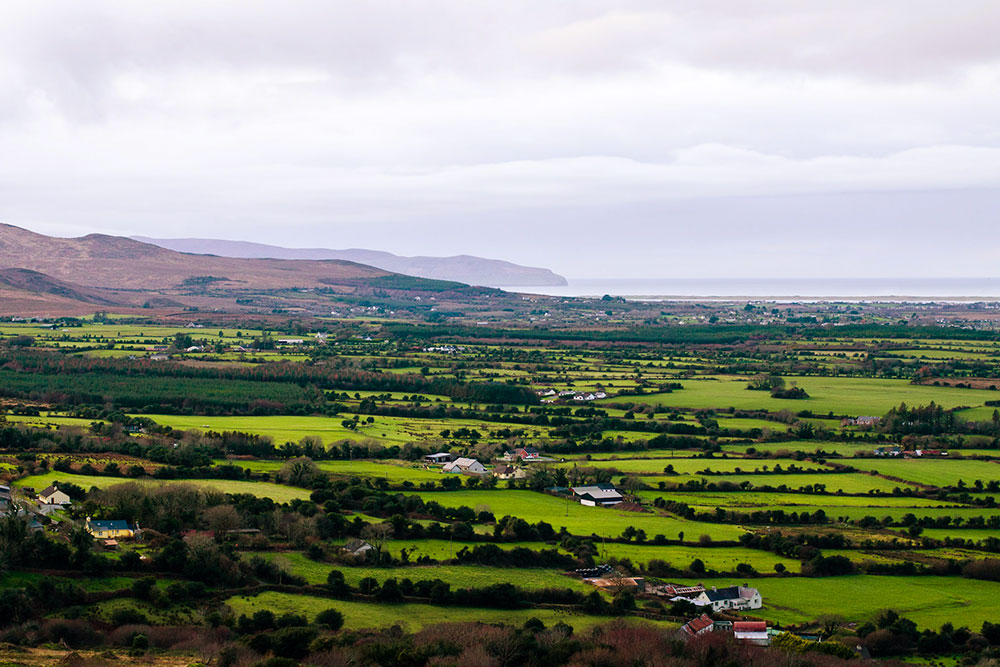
point(627, 138)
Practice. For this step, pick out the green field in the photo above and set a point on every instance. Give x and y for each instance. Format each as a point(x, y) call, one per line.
point(652, 466)
point(578, 519)
point(459, 576)
point(282, 429)
point(834, 482)
point(929, 601)
point(751, 500)
point(276, 492)
point(841, 396)
point(412, 616)
point(935, 472)
point(394, 471)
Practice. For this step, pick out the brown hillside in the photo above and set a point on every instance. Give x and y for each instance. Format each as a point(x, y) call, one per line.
point(115, 262)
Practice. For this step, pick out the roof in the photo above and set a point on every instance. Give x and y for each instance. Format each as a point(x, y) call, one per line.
point(48, 491)
point(696, 625)
point(112, 524)
point(597, 492)
point(749, 626)
point(463, 463)
point(728, 593)
point(503, 469)
point(438, 455)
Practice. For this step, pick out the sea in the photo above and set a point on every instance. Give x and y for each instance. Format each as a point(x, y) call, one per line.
point(778, 289)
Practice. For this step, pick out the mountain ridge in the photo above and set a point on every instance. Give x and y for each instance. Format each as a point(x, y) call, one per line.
point(118, 262)
point(468, 269)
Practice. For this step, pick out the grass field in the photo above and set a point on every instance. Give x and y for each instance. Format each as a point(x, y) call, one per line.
point(846, 482)
point(359, 615)
point(579, 520)
point(929, 601)
point(751, 500)
point(90, 584)
point(692, 466)
point(459, 576)
point(276, 492)
point(841, 396)
point(394, 471)
point(935, 472)
point(282, 429)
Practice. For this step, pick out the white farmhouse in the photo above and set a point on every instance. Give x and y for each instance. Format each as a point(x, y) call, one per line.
point(731, 597)
point(53, 496)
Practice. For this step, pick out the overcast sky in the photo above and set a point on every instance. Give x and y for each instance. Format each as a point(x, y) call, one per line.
point(609, 139)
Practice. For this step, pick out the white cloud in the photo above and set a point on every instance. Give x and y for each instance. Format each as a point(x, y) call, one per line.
point(343, 120)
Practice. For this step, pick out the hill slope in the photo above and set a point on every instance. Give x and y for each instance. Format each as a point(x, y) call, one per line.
point(461, 268)
point(113, 262)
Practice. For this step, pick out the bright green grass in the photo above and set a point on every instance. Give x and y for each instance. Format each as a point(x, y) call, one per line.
point(746, 423)
point(846, 482)
point(981, 414)
point(722, 559)
point(604, 457)
point(807, 446)
point(929, 601)
point(394, 471)
point(974, 534)
point(579, 520)
point(276, 492)
point(692, 466)
point(388, 430)
point(750, 500)
point(851, 396)
point(409, 615)
point(933, 471)
point(459, 576)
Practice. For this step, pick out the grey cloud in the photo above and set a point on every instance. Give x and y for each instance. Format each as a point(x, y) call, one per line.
point(470, 127)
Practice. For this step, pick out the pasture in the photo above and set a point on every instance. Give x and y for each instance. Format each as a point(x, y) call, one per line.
point(933, 471)
point(576, 518)
point(837, 395)
point(276, 492)
point(412, 616)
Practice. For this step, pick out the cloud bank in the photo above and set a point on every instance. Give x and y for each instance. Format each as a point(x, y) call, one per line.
point(643, 138)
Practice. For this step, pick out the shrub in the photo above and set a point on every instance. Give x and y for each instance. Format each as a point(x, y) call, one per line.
point(128, 616)
point(292, 642)
point(331, 618)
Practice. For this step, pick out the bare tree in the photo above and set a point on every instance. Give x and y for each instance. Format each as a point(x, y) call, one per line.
point(377, 534)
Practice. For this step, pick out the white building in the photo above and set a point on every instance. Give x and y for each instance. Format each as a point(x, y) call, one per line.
point(731, 597)
point(53, 496)
point(465, 466)
point(597, 495)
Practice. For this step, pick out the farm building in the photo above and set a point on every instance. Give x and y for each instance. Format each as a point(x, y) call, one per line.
point(111, 529)
point(504, 471)
point(525, 454)
point(465, 466)
point(751, 632)
point(731, 597)
point(597, 495)
point(440, 457)
point(674, 591)
point(696, 626)
point(53, 496)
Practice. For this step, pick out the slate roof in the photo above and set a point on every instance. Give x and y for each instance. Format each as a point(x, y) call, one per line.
point(728, 593)
point(112, 524)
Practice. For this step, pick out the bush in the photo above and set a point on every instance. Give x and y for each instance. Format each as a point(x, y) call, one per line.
point(292, 642)
point(331, 618)
point(128, 616)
